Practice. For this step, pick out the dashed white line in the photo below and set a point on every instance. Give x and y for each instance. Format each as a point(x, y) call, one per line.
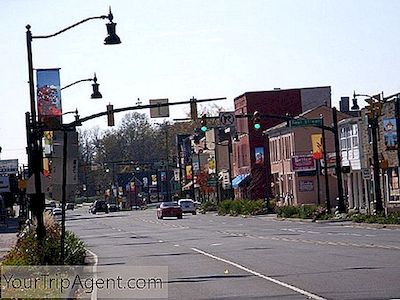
point(281, 283)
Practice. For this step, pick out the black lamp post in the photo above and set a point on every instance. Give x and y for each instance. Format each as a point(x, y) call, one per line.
point(34, 130)
point(374, 111)
point(95, 86)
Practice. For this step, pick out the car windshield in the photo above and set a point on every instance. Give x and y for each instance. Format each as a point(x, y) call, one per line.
point(169, 204)
point(186, 202)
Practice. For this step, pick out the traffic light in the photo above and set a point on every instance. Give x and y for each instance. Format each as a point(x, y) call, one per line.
point(256, 120)
point(375, 106)
point(110, 115)
point(203, 123)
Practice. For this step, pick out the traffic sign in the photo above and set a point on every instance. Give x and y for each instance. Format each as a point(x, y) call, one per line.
point(227, 118)
point(366, 173)
point(305, 122)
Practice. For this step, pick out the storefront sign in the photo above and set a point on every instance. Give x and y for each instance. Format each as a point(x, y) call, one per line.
point(303, 163)
point(306, 185)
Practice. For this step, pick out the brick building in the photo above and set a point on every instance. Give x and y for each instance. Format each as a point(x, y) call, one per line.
point(251, 167)
point(388, 153)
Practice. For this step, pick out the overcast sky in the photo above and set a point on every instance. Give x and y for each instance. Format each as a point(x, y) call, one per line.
point(206, 49)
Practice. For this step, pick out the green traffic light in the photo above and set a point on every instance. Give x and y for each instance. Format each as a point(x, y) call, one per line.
point(257, 126)
point(204, 128)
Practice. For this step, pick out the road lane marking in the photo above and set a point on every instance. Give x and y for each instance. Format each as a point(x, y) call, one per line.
point(281, 283)
point(216, 244)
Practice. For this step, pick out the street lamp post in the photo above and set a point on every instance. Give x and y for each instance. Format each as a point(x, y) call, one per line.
point(374, 111)
point(33, 127)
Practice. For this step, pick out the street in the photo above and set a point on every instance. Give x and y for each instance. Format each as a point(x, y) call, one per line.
point(223, 257)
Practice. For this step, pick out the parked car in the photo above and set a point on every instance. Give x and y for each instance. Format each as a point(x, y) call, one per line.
point(70, 206)
point(169, 209)
point(99, 206)
point(112, 207)
point(56, 211)
point(187, 205)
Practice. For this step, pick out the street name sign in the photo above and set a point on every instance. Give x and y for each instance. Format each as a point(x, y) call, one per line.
point(305, 122)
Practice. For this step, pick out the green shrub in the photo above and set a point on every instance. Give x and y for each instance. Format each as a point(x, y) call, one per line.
point(392, 218)
point(75, 251)
point(314, 212)
point(287, 211)
point(208, 206)
point(241, 207)
point(224, 207)
point(28, 251)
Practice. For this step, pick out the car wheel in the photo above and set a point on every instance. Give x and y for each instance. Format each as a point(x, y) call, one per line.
point(180, 217)
point(194, 213)
point(161, 217)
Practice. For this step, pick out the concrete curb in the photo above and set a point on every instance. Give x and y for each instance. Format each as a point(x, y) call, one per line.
point(91, 261)
point(376, 226)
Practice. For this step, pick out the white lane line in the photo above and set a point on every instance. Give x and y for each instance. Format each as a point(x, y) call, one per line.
point(216, 244)
point(291, 287)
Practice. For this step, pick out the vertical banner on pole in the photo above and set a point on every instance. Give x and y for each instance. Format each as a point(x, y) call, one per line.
point(49, 97)
point(317, 149)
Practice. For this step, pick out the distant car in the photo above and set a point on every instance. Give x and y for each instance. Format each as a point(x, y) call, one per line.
point(169, 209)
point(51, 204)
point(99, 206)
point(56, 211)
point(112, 207)
point(187, 205)
point(70, 206)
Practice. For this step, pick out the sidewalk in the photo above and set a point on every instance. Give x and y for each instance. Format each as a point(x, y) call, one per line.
point(8, 236)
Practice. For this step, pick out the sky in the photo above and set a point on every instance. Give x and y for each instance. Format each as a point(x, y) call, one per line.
point(203, 49)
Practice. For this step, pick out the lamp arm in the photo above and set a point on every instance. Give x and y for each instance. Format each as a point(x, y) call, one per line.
point(68, 28)
point(397, 95)
point(71, 84)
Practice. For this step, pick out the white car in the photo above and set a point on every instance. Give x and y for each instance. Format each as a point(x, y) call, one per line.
point(187, 205)
point(57, 211)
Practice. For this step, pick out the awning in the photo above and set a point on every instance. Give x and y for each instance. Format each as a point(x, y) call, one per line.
point(239, 179)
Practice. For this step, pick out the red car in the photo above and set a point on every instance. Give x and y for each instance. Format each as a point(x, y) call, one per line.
point(169, 209)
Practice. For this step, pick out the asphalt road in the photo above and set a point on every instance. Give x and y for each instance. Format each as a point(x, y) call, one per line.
point(222, 257)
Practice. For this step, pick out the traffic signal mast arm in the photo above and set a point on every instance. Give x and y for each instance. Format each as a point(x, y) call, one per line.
point(79, 121)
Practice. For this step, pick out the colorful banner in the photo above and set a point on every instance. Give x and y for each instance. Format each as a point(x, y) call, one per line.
point(317, 149)
point(303, 163)
point(49, 97)
point(163, 176)
point(390, 134)
point(189, 173)
point(259, 155)
point(154, 179)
